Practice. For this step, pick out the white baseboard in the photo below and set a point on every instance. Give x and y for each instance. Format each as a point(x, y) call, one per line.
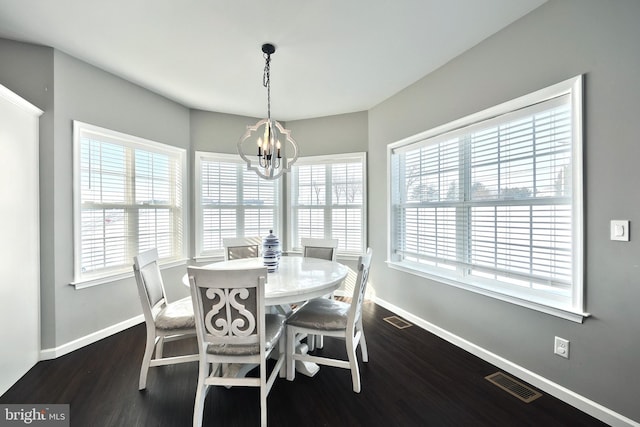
point(580, 402)
point(52, 353)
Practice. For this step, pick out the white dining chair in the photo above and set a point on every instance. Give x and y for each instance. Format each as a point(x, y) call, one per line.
point(332, 318)
point(241, 247)
point(322, 249)
point(165, 321)
point(233, 327)
point(319, 248)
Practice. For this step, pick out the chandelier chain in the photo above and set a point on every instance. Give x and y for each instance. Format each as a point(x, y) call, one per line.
point(266, 81)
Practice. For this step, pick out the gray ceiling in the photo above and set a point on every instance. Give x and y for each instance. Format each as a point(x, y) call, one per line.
point(333, 56)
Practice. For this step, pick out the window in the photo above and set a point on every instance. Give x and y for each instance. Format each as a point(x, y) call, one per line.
point(327, 200)
point(231, 201)
point(128, 197)
point(493, 202)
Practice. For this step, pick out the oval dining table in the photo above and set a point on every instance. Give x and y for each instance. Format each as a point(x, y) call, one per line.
point(297, 279)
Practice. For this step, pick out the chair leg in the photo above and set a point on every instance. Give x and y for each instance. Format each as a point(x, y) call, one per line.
point(363, 343)
point(160, 348)
point(291, 348)
point(319, 341)
point(311, 342)
point(282, 351)
point(353, 363)
point(146, 360)
point(263, 395)
point(201, 393)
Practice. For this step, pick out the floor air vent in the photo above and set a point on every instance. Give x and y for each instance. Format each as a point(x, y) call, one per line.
point(514, 387)
point(397, 322)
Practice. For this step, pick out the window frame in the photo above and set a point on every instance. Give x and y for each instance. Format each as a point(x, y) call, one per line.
point(574, 310)
point(131, 142)
point(218, 254)
point(356, 157)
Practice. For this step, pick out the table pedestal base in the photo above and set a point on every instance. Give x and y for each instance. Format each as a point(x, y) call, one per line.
point(306, 368)
point(240, 370)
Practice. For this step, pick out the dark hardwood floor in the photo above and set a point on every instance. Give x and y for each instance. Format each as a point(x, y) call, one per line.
point(413, 378)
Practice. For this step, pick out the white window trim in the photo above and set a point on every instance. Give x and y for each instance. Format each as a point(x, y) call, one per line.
point(111, 276)
point(573, 87)
point(328, 159)
point(230, 158)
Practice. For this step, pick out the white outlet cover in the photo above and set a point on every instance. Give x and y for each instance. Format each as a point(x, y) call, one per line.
point(561, 347)
point(620, 230)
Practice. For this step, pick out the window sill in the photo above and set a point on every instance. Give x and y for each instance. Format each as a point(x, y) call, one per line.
point(88, 283)
point(564, 313)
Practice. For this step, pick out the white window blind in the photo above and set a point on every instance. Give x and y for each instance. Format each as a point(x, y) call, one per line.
point(327, 200)
point(494, 202)
point(129, 197)
point(231, 202)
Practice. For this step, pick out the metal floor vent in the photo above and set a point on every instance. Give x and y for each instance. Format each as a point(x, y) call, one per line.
point(513, 387)
point(397, 322)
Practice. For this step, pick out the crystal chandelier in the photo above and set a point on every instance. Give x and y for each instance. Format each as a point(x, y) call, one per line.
point(267, 146)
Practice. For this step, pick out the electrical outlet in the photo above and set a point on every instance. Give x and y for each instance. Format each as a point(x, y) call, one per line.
point(620, 230)
point(561, 347)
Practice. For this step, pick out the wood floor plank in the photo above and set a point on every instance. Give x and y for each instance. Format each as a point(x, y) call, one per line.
point(413, 378)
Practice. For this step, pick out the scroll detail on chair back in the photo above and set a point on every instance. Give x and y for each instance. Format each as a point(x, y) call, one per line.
point(332, 318)
point(319, 248)
point(241, 247)
point(165, 321)
point(232, 327)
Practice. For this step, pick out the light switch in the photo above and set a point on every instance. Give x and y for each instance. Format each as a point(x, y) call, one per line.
point(620, 230)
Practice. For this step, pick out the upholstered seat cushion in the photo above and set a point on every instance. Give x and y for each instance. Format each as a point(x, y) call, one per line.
point(273, 329)
point(321, 314)
point(176, 316)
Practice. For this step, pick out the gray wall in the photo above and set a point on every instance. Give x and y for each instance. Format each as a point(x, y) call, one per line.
point(90, 95)
point(559, 40)
point(219, 132)
point(342, 133)
point(28, 71)
point(68, 89)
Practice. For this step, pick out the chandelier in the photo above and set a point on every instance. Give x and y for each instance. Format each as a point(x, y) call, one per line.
point(267, 146)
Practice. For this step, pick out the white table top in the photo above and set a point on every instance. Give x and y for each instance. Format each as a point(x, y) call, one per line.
point(296, 279)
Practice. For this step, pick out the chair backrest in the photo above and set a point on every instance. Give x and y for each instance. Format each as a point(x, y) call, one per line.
point(149, 280)
point(241, 247)
point(319, 248)
point(229, 306)
point(364, 263)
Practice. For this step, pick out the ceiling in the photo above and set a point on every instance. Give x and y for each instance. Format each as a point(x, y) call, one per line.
point(332, 57)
